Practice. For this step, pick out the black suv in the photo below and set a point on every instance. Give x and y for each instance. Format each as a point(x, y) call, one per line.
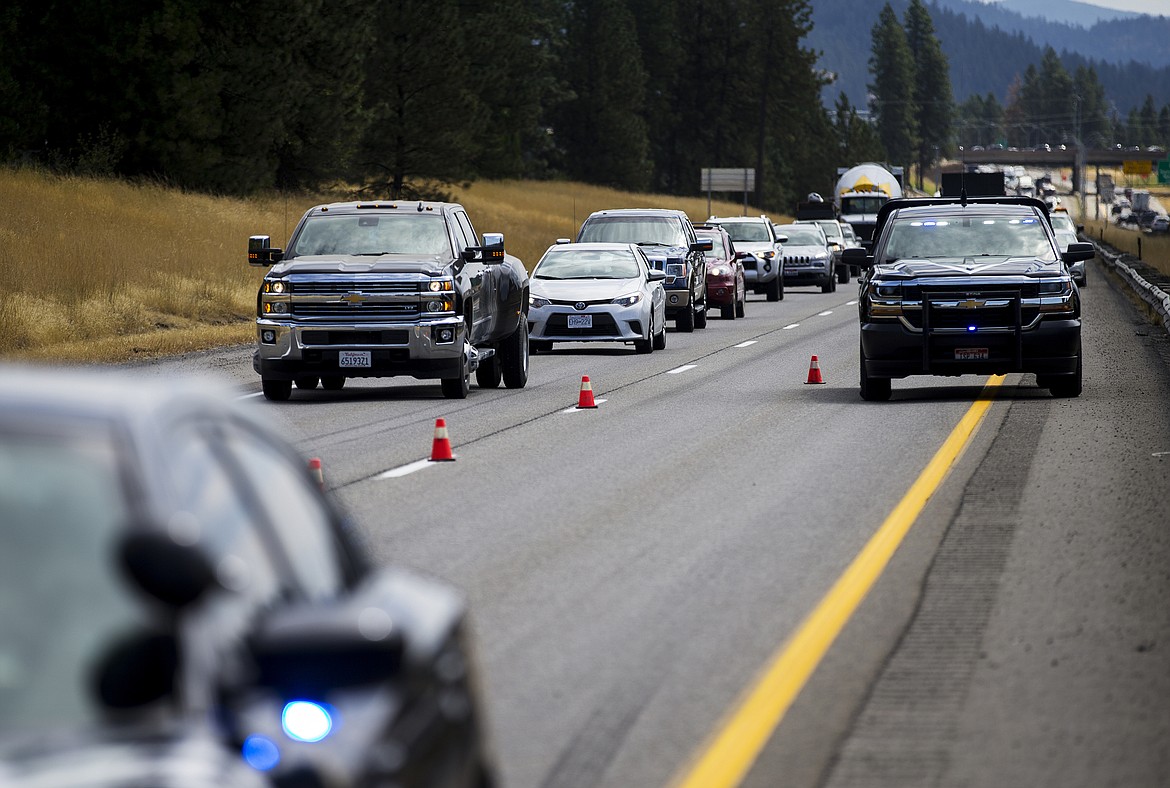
point(968, 286)
point(669, 241)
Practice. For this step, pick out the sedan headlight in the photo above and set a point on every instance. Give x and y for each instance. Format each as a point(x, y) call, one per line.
point(628, 300)
point(536, 302)
point(719, 270)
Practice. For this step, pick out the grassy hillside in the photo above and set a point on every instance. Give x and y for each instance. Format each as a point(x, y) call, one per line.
point(99, 270)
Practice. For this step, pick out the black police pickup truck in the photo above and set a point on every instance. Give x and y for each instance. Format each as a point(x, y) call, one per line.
point(389, 288)
point(959, 286)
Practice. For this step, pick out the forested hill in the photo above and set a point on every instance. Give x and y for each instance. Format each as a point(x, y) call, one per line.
point(985, 59)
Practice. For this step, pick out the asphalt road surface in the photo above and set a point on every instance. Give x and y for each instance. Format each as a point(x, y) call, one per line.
point(633, 570)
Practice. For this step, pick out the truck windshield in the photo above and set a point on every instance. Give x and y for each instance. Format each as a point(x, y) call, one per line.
point(662, 230)
point(850, 205)
point(372, 235)
point(969, 236)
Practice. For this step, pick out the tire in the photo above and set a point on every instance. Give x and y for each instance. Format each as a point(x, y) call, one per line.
point(513, 354)
point(773, 290)
point(539, 345)
point(873, 389)
point(727, 312)
point(1084, 278)
point(488, 374)
point(306, 384)
point(457, 388)
point(1066, 386)
point(276, 390)
point(646, 345)
point(740, 306)
point(684, 321)
point(829, 286)
point(843, 274)
point(660, 338)
point(701, 316)
point(333, 383)
point(833, 283)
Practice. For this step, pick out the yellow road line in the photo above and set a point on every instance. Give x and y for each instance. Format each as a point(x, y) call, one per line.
point(733, 749)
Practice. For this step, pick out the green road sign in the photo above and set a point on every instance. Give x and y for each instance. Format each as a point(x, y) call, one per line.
point(1164, 171)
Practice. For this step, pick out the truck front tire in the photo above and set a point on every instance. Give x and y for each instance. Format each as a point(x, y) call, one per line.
point(513, 355)
point(276, 390)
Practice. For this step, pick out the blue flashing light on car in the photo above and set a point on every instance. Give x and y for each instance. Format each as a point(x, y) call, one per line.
point(304, 720)
point(261, 753)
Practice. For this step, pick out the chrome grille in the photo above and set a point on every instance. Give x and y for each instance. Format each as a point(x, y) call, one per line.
point(364, 311)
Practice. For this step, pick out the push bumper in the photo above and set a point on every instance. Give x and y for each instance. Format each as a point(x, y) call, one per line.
point(892, 351)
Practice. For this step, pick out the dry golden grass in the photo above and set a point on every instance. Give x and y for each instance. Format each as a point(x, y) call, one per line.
point(102, 270)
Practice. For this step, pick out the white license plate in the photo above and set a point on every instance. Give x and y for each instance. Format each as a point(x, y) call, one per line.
point(580, 321)
point(353, 358)
point(970, 354)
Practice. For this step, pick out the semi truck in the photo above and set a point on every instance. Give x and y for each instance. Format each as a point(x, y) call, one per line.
point(862, 191)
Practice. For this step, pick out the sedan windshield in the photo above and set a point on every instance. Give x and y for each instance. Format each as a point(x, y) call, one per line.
point(587, 264)
point(652, 230)
point(969, 237)
point(373, 235)
point(63, 602)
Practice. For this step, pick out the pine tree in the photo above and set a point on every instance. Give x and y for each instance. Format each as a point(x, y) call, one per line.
point(892, 68)
point(932, 87)
point(602, 130)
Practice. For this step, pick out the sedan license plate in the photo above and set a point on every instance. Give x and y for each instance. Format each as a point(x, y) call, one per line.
point(580, 321)
point(970, 354)
point(353, 358)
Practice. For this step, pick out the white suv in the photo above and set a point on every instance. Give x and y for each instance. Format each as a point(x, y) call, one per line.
point(759, 249)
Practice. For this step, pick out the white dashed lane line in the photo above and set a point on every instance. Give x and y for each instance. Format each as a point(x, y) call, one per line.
point(850, 303)
point(251, 396)
point(825, 313)
point(791, 326)
point(405, 470)
point(746, 344)
point(680, 370)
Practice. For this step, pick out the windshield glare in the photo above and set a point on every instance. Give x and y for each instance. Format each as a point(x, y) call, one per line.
point(969, 237)
point(583, 264)
point(373, 234)
point(802, 236)
point(633, 230)
point(63, 603)
point(749, 232)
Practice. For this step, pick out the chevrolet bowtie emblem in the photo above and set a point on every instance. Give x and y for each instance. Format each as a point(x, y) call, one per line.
point(971, 303)
point(353, 298)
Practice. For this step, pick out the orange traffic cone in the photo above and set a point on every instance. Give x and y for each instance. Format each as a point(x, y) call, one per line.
point(441, 448)
point(586, 398)
point(315, 469)
point(814, 371)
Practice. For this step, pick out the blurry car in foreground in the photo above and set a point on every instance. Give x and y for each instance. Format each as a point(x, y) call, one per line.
point(597, 292)
point(1066, 231)
point(808, 260)
point(726, 286)
point(182, 606)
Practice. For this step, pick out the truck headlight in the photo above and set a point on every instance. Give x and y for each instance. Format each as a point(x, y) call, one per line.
point(440, 285)
point(435, 305)
point(277, 286)
point(1056, 295)
point(885, 299)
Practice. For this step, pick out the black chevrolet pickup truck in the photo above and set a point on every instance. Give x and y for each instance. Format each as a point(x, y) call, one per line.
point(968, 286)
point(378, 289)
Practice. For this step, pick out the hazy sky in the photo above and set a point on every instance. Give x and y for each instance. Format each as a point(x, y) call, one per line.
point(1152, 7)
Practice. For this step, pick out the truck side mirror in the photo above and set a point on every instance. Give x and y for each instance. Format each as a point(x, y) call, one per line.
point(857, 257)
point(703, 245)
point(493, 248)
point(261, 253)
